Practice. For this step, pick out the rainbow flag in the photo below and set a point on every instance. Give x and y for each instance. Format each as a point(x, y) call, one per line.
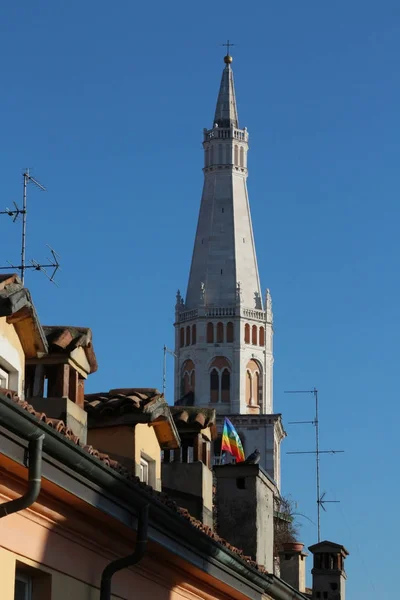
point(231, 441)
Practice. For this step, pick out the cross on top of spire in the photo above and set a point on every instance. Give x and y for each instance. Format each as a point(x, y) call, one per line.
point(228, 57)
point(228, 45)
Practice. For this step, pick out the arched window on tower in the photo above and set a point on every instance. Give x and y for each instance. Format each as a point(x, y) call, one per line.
point(249, 387)
point(226, 386)
point(188, 378)
point(254, 392)
point(242, 156)
point(220, 333)
point(194, 333)
point(220, 380)
point(188, 335)
point(182, 337)
point(257, 388)
point(214, 385)
point(254, 335)
point(247, 334)
point(229, 332)
point(236, 155)
point(261, 339)
point(210, 333)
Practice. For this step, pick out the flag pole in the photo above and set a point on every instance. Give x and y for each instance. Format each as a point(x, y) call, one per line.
point(220, 453)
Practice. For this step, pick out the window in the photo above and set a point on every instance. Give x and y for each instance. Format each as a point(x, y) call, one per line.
point(3, 379)
point(144, 471)
point(193, 334)
point(220, 380)
point(261, 340)
point(214, 385)
point(226, 386)
point(182, 337)
point(188, 377)
point(229, 332)
point(188, 336)
point(23, 586)
point(249, 388)
point(254, 389)
point(247, 334)
point(220, 333)
point(258, 389)
point(254, 335)
point(210, 333)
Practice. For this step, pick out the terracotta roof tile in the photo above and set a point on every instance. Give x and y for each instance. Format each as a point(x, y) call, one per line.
point(194, 415)
point(60, 426)
point(194, 419)
point(66, 338)
point(121, 401)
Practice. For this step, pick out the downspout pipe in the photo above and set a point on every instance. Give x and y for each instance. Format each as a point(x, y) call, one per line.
point(35, 451)
point(131, 559)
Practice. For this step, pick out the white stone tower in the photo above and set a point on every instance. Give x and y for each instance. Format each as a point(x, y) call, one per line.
point(224, 330)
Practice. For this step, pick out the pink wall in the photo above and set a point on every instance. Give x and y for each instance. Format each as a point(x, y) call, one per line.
point(73, 545)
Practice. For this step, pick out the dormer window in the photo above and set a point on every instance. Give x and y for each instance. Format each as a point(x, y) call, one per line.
point(144, 470)
point(4, 379)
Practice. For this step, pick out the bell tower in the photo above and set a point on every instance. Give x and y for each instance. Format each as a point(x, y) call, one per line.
point(224, 326)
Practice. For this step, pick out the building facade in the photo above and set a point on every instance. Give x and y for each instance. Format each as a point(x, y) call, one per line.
point(224, 326)
point(83, 510)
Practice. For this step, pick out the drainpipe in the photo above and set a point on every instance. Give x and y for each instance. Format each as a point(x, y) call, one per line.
point(34, 480)
point(131, 559)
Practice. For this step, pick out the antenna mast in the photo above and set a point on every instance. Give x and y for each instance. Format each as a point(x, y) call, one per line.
point(164, 385)
point(27, 177)
point(14, 213)
point(317, 452)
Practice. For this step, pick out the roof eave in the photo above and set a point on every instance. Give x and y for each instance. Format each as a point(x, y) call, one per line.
point(25, 425)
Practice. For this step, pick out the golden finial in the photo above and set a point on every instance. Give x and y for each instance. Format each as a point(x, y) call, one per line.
point(228, 58)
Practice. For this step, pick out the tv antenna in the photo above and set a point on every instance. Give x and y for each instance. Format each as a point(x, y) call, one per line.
point(14, 213)
point(320, 497)
point(172, 353)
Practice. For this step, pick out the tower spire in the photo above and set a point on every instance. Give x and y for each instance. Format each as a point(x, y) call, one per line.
point(223, 333)
point(226, 111)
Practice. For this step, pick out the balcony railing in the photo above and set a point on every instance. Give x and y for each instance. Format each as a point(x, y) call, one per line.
point(211, 312)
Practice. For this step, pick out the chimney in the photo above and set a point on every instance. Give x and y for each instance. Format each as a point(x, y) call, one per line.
point(292, 562)
point(245, 510)
point(186, 471)
point(329, 576)
point(54, 383)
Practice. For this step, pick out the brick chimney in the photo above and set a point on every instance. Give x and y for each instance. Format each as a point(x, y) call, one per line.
point(329, 576)
point(186, 472)
point(292, 562)
point(54, 383)
point(245, 510)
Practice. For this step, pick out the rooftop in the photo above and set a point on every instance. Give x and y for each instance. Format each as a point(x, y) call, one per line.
point(95, 455)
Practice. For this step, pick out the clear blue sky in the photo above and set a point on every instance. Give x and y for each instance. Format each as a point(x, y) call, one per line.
point(106, 102)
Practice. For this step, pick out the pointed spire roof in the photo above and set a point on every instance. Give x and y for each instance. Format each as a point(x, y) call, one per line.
point(226, 112)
